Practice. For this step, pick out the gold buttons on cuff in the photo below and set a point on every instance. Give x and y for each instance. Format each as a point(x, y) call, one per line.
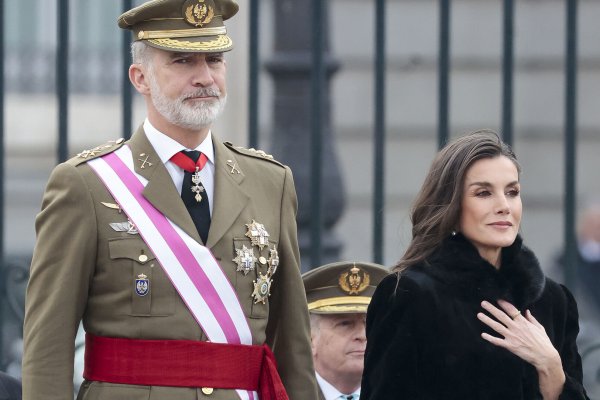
point(207, 391)
point(143, 258)
point(262, 260)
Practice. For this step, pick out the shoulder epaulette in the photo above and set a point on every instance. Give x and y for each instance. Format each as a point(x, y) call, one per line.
point(252, 152)
point(98, 151)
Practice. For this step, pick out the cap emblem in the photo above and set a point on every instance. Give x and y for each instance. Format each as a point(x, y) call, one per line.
point(354, 281)
point(199, 12)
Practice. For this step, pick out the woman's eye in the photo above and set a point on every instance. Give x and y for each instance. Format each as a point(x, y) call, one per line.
point(482, 193)
point(514, 192)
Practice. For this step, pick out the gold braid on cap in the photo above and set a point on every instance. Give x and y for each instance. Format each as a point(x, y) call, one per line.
point(220, 43)
point(181, 33)
point(336, 301)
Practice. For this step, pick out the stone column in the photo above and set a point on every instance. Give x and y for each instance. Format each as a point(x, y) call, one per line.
point(290, 68)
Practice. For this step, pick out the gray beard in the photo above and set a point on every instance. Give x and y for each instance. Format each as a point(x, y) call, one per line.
point(178, 112)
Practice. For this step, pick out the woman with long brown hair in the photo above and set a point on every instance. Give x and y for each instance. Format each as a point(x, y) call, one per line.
point(468, 313)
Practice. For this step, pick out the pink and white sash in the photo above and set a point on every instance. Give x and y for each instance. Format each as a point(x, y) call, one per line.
point(191, 267)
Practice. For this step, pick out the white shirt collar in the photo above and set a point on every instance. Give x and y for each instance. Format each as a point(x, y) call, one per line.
point(330, 392)
point(166, 147)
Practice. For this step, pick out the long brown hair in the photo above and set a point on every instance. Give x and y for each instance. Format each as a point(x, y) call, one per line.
point(436, 210)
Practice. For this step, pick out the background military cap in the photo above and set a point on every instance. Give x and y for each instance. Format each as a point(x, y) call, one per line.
point(182, 25)
point(342, 287)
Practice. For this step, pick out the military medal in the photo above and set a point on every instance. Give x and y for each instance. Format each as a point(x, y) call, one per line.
point(142, 285)
point(262, 288)
point(197, 188)
point(245, 259)
point(258, 234)
point(273, 260)
point(184, 161)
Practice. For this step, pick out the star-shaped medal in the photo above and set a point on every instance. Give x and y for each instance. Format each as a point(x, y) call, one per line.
point(245, 260)
point(262, 288)
point(258, 234)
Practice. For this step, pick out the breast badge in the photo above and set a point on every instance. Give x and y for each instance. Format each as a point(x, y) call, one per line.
point(354, 281)
point(127, 227)
point(245, 259)
point(262, 288)
point(112, 206)
point(258, 234)
point(142, 285)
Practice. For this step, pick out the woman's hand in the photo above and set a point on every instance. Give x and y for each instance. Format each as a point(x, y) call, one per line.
point(525, 337)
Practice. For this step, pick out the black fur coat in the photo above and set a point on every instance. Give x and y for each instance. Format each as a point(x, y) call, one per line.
point(424, 338)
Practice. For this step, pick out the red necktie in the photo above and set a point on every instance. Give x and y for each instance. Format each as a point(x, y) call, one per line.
point(198, 206)
point(185, 160)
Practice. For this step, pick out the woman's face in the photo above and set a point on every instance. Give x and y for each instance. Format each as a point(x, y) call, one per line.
point(491, 206)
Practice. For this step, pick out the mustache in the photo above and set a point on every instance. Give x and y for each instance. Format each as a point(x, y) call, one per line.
point(203, 92)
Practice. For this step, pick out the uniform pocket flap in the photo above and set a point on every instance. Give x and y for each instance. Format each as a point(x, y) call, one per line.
point(131, 248)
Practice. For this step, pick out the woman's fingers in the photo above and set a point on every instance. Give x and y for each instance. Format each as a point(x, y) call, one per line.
point(499, 314)
point(522, 335)
point(492, 323)
point(512, 311)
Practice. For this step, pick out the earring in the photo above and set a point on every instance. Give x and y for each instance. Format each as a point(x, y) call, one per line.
point(453, 233)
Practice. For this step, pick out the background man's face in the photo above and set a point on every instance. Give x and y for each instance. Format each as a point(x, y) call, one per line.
point(338, 345)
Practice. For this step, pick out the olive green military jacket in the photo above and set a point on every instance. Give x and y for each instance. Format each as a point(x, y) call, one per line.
point(83, 269)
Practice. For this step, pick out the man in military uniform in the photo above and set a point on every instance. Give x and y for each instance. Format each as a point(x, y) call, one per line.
point(177, 251)
point(338, 295)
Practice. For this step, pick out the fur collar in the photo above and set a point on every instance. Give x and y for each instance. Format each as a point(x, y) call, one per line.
point(519, 280)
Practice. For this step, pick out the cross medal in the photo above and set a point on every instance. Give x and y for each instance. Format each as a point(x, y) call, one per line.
point(197, 188)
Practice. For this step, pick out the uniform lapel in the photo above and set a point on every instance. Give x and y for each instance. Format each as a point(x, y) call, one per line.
point(160, 190)
point(229, 198)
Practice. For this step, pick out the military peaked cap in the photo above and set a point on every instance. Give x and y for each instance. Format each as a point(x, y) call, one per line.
point(342, 287)
point(182, 25)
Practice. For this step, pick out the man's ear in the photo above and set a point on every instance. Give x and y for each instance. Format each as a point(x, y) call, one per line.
point(314, 337)
point(139, 79)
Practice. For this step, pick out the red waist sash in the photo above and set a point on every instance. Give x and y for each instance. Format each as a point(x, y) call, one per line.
point(183, 363)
